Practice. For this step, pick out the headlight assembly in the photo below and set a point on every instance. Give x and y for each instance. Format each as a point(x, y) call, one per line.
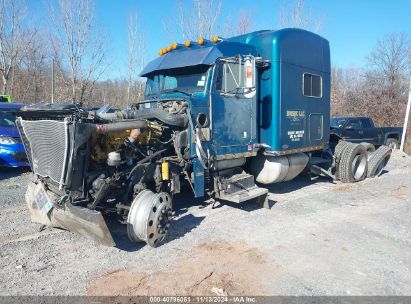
point(6, 140)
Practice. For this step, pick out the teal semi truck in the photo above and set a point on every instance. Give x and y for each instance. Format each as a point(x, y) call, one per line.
point(223, 116)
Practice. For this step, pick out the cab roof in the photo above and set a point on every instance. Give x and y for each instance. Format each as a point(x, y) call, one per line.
point(197, 55)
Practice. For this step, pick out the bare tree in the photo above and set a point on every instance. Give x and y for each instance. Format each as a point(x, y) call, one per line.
point(34, 63)
point(12, 38)
point(389, 61)
point(82, 44)
point(244, 23)
point(136, 50)
point(300, 16)
point(379, 90)
point(200, 19)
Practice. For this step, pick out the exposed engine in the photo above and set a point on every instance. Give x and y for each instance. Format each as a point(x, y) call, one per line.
point(122, 164)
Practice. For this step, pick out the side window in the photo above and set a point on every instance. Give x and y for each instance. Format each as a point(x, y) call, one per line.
point(366, 124)
point(312, 85)
point(353, 124)
point(231, 77)
point(236, 76)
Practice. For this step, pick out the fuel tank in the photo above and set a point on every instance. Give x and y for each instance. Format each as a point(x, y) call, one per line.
point(275, 169)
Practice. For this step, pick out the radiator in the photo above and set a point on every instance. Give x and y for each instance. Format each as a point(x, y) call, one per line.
point(47, 144)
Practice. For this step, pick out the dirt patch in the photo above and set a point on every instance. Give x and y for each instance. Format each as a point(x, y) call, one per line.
point(344, 188)
point(216, 268)
point(401, 193)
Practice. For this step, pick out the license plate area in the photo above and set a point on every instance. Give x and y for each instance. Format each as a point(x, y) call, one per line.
point(42, 201)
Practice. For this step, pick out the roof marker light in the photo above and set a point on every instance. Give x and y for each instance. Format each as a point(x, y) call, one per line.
point(174, 46)
point(168, 49)
point(200, 41)
point(215, 39)
point(160, 53)
point(187, 43)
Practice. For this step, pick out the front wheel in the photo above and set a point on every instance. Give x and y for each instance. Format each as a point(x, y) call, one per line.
point(392, 143)
point(149, 217)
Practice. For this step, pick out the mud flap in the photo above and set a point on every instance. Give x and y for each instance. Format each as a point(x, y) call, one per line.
point(86, 222)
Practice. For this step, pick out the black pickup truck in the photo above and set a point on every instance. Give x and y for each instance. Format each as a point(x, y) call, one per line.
point(362, 129)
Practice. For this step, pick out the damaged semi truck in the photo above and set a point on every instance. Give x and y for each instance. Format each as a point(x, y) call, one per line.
point(224, 116)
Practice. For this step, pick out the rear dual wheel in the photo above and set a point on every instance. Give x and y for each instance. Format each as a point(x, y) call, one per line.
point(378, 160)
point(339, 149)
point(353, 164)
point(149, 218)
point(370, 148)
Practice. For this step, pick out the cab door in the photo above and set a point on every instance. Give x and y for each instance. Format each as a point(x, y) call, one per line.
point(370, 133)
point(352, 130)
point(234, 107)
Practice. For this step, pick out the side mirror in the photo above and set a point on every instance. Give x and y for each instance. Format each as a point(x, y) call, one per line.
point(249, 77)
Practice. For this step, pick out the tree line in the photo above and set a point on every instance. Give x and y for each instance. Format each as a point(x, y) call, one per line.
point(66, 59)
point(73, 50)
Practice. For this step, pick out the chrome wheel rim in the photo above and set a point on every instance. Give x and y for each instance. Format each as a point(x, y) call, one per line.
point(359, 165)
point(381, 166)
point(149, 218)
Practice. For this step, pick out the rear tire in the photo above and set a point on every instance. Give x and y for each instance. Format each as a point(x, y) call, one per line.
point(353, 164)
point(369, 147)
point(392, 143)
point(378, 160)
point(339, 149)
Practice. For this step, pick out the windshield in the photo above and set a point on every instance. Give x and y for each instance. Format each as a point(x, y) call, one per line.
point(7, 119)
point(337, 122)
point(186, 80)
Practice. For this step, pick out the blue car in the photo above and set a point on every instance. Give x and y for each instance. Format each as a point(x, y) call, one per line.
point(12, 153)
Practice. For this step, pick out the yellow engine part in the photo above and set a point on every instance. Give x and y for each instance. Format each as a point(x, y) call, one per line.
point(165, 171)
point(151, 132)
point(104, 144)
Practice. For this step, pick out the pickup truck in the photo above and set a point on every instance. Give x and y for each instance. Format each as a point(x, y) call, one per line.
point(362, 129)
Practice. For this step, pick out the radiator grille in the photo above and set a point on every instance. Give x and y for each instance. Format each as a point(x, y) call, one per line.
point(48, 146)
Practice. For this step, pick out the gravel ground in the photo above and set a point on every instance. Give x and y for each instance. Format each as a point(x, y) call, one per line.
point(318, 238)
